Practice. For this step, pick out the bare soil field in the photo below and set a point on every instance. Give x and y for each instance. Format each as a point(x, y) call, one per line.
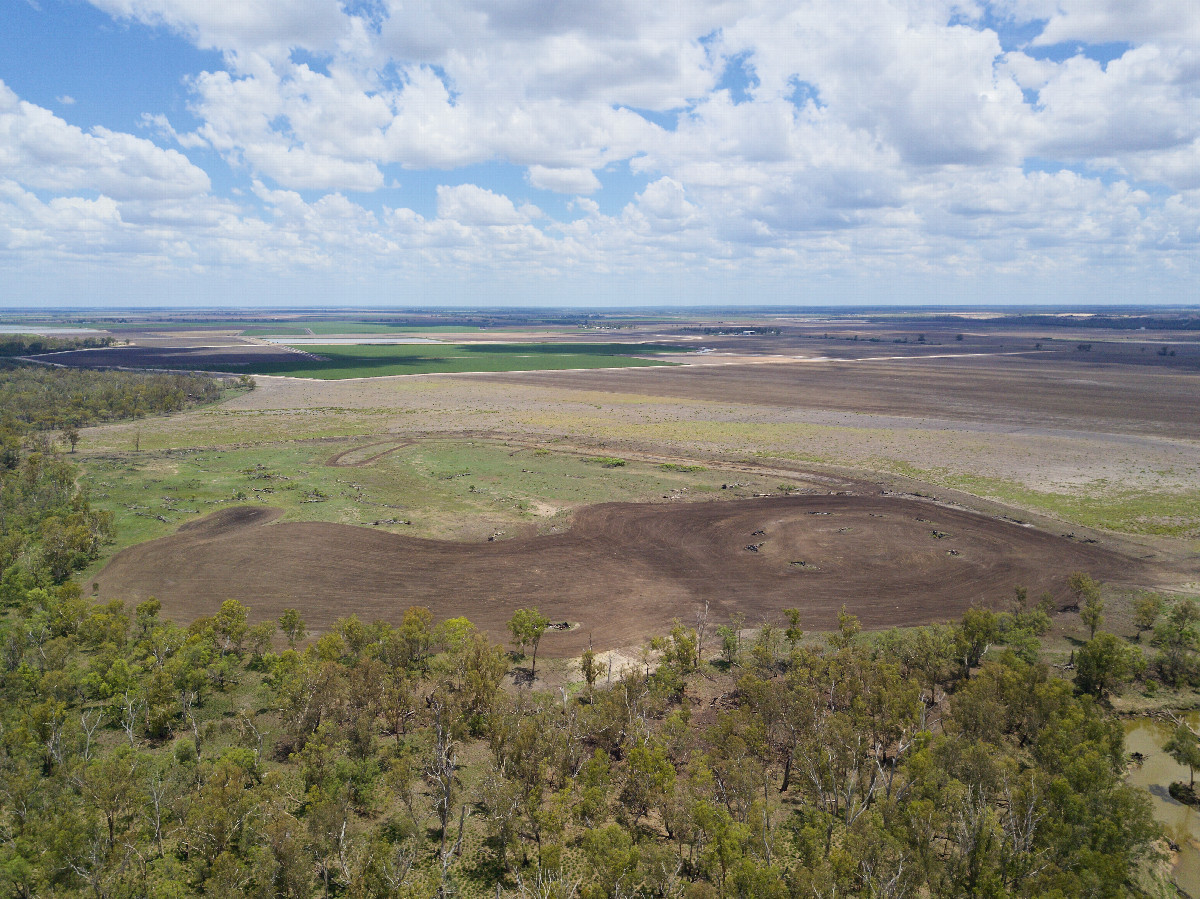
point(175, 354)
point(1016, 391)
point(1075, 430)
point(623, 570)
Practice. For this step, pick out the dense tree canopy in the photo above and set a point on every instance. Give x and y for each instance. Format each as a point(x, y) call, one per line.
point(139, 758)
point(35, 397)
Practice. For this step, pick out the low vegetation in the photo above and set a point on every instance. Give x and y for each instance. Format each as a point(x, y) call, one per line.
point(48, 526)
point(434, 485)
point(1169, 513)
point(336, 361)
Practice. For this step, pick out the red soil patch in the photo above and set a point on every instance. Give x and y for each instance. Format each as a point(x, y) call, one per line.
point(623, 571)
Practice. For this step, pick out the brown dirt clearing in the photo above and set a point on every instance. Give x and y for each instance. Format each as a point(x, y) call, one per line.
point(623, 571)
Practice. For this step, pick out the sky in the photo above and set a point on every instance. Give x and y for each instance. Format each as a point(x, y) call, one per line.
point(575, 152)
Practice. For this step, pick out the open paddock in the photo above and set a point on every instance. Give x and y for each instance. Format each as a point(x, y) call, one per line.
point(341, 361)
point(623, 571)
point(1016, 392)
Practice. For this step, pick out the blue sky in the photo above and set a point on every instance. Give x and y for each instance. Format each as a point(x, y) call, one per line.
point(297, 152)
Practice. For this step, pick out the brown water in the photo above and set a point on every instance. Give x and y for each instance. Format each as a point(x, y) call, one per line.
point(1182, 822)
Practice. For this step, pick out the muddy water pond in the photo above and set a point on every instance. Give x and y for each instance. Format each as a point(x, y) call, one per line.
point(1155, 774)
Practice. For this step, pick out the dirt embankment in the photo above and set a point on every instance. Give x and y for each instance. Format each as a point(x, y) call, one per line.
point(623, 571)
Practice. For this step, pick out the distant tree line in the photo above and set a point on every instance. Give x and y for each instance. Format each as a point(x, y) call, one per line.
point(48, 529)
point(30, 345)
point(38, 398)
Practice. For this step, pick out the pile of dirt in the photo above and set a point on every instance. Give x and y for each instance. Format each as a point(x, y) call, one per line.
point(623, 571)
point(222, 523)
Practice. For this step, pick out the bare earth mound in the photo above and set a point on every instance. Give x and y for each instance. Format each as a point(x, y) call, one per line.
point(623, 571)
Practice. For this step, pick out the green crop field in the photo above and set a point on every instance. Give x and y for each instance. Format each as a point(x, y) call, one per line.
point(375, 360)
point(350, 327)
point(356, 327)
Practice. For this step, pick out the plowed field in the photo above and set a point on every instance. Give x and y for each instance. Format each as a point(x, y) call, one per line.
point(623, 571)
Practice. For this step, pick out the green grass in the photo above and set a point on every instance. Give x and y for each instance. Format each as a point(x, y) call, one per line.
point(355, 327)
point(444, 488)
point(367, 361)
point(1160, 513)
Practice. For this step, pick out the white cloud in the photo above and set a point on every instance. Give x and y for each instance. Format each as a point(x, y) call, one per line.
point(272, 26)
point(888, 136)
point(1133, 104)
point(469, 204)
point(40, 150)
point(666, 203)
point(65, 100)
point(60, 223)
point(564, 181)
point(1118, 21)
point(627, 52)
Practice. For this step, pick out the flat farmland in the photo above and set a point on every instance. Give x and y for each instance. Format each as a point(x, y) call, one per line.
point(338, 361)
point(377, 493)
point(1113, 447)
point(1065, 442)
point(622, 571)
point(1014, 391)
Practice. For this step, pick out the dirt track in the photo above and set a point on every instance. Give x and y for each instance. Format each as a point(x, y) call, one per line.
point(623, 571)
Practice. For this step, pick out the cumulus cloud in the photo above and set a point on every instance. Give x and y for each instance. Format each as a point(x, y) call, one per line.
point(247, 25)
point(665, 203)
point(564, 181)
point(38, 149)
point(468, 204)
point(1115, 21)
point(815, 136)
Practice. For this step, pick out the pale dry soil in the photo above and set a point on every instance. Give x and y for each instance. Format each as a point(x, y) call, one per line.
point(1074, 432)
